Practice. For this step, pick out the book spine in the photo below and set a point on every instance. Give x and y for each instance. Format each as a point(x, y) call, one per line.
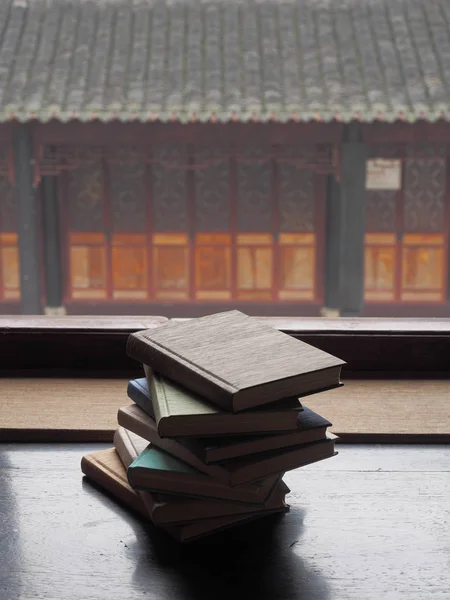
point(140, 398)
point(174, 367)
point(158, 393)
point(124, 446)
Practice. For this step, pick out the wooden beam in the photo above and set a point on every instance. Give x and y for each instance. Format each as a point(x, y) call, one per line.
point(51, 242)
point(28, 227)
point(352, 223)
point(157, 133)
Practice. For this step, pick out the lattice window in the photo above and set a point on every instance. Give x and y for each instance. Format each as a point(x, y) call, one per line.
point(128, 195)
point(297, 202)
point(9, 250)
point(86, 197)
point(255, 198)
point(424, 194)
point(212, 190)
point(169, 197)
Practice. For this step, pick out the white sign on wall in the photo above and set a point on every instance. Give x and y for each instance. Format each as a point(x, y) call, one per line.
point(383, 174)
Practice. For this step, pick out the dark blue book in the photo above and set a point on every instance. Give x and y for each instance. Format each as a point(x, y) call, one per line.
point(137, 391)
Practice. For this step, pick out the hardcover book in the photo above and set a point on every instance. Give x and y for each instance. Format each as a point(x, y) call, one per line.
point(105, 469)
point(180, 412)
point(235, 361)
point(136, 420)
point(138, 391)
point(167, 509)
point(235, 471)
point(310, 427)
point(194, 531)
point(155, 470)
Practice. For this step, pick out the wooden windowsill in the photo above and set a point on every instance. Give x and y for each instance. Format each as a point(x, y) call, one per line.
point(95, 346)
point(64, 378)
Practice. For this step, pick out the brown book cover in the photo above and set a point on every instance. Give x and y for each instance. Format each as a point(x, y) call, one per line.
point(236, 471)
point(235, 361)
point(180, 412)
point(106, 469)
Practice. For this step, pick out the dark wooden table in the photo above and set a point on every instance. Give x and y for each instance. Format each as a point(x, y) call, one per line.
point(373, 522)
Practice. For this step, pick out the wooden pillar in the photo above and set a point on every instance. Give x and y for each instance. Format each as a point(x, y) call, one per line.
point(51, 245)
point(28, 226)
point(332, 240)
point(352, 221)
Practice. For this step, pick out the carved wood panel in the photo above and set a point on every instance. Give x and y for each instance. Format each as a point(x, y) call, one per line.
point(254, 180)
point(8, 205)
point(128, 194)
point(297, 268)
point(87, 260)
point(213, 266)
point(212, 190)
point(86, 198)
point(380, 267)
point(423, 268)
point(129, 266)
point(296, 198)
point(381, 206)
point(255, 266)
point(171, 275)
point(9, 267)
point(169, 189)
point(424, 193)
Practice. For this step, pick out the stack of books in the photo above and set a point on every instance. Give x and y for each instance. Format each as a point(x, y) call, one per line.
point(215, 423)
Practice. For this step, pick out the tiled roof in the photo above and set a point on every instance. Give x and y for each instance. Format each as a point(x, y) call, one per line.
point(222, 60)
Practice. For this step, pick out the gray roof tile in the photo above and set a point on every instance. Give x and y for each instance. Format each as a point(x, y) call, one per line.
point(224, 60)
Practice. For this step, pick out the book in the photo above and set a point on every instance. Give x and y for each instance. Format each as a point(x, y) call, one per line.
point(248, 469)
point(194, 531)
point(237, 470)
point(138, 391)
point(105, 468)
point(235, 361)
point(180, 412)
point(136, 420)
point(128, 445)
point(310, 427)
point(167, 509)
point(155, 470)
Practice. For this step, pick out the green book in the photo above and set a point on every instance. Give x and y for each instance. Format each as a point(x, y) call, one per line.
point(181, 412)
point(155, 470)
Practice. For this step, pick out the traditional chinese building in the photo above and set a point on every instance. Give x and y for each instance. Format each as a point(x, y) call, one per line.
point(190, 156)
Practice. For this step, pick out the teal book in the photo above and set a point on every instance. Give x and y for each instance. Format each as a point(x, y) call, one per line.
point(155, 470)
